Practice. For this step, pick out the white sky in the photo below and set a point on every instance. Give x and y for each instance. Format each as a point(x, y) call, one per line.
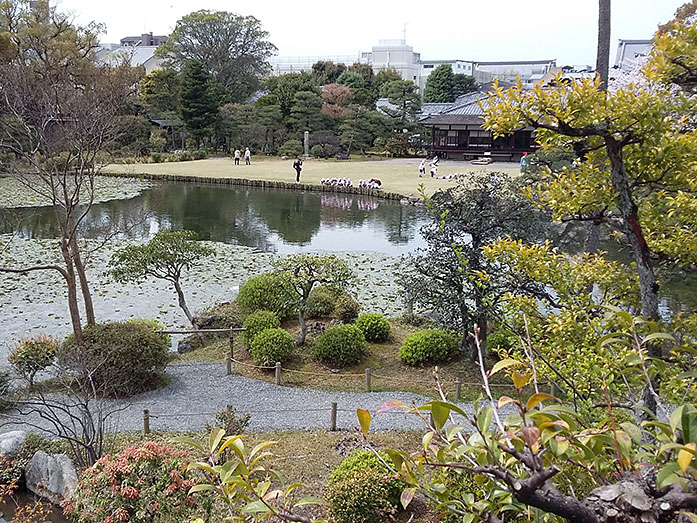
point(464, 29)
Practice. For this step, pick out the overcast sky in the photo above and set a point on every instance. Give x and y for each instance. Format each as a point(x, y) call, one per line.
point(464, 29)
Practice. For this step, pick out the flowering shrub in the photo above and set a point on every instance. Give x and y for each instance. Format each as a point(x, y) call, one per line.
point(337, 182)
point(141, 485)
point(373, 183)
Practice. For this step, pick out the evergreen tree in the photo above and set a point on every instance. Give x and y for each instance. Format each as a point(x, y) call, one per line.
point(198, 104)
point(351, 79)
point(403, 95)
point(305, 114)
point(463, 84)
point(440, 85)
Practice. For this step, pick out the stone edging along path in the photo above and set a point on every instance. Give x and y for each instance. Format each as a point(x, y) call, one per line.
point(266, 184)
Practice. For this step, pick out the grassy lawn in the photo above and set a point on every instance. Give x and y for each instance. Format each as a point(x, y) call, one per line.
point(397, 175)
point(388, 373)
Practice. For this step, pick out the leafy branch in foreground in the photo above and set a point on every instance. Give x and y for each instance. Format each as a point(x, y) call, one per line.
point(243, 483)
point(531, 452)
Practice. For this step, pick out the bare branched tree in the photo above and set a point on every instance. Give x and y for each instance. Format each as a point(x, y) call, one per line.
point(58, 111)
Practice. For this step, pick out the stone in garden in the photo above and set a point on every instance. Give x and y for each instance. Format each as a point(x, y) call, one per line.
point(184, 346)
point(11, 443)
point(51, 476)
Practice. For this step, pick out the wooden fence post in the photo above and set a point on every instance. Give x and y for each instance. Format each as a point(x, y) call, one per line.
point(367, 379)
point(232, 354)
point(228, 363)
point(458, 390)
point(146, 421)
point(332, 418)
point(278, 373)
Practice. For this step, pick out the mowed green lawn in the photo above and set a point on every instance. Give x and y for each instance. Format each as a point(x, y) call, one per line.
point(397, 175)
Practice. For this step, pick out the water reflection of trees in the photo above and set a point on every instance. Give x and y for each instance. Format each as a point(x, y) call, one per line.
point(238, 215)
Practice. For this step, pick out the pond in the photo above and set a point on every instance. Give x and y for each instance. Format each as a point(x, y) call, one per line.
point(268, 220)
point(248, 228)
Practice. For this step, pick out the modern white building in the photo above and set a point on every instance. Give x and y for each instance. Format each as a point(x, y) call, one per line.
point(138, 55)
point(629, 51)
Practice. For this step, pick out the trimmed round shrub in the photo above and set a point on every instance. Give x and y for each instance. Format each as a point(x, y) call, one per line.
point(362, 490)
point(340, 345)
point(33, 355)
point(321, 302)
point(346, 309)
point(375, 327)
point(125, 358)
point(257, 323)
point(143, 484)
point(291, 148)
point(428, 346)
point(272, 345)
point(265, 292)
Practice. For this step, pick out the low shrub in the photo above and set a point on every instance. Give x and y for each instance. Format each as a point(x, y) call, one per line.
point(346, 309)
point(501, 340)
point(375, 327)
point(156, 157)
point(272, 345)
point(321, 302)
point(33, 355)
point(291, 148)
point(230, 421)
point(340, 345)
point(141, 485)
point(266, 291)
point(125, 358)
point(257, 323)
point(428, 346)
point(199, 154)
point(362, 490)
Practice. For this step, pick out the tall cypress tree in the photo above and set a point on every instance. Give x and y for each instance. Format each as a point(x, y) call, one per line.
point(198, 103)
point(440, 85)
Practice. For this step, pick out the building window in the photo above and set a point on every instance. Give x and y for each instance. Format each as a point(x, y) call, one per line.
point(479, 139)
point(428, 66)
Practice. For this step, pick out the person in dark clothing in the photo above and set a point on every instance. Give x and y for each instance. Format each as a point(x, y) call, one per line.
point(298, 166)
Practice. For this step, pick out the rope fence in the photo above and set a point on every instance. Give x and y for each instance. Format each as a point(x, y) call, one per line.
point(333, 410)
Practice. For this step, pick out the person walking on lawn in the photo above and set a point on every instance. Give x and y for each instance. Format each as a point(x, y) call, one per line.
point(247, 156)
point(237, 156)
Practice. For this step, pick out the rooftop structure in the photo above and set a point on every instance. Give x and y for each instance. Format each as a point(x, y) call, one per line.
point(629, 51)
point(144, 40)
point(140, 55)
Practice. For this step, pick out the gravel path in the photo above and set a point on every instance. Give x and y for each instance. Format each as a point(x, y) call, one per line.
point(198, 390)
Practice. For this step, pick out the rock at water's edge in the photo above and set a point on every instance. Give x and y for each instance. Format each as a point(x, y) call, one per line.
point(51, 476)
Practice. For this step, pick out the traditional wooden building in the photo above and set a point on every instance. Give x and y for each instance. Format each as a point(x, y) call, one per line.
point(457, 132)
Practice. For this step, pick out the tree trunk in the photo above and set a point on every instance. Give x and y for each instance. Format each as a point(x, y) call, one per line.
point(84, 283)
point(648, 286)
point(72, 293)
point(185, 308)
point(591, 244)
point(602, 61)
point(303, 328)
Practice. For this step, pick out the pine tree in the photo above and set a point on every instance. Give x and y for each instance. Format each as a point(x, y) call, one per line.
point(198, 103)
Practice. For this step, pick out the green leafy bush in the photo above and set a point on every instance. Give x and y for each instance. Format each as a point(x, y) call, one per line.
point(199, 154)
point(257, 323)
point(340, 345)
point(375, 327)
point(272, 345)
point(321, 302)
point(346, 309)
point(500, 340)
point(265, 292)
point(143, 484)
point(124, 358)
point(291, 148)
point(33, 355)
point(428, 346)
point(362, 490)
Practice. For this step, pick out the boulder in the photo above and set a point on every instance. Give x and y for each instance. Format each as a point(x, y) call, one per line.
point(185, 346)
point(51, 476)
point(11, 443)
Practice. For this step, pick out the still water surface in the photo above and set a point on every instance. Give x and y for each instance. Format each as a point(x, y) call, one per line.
point(269, 220)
